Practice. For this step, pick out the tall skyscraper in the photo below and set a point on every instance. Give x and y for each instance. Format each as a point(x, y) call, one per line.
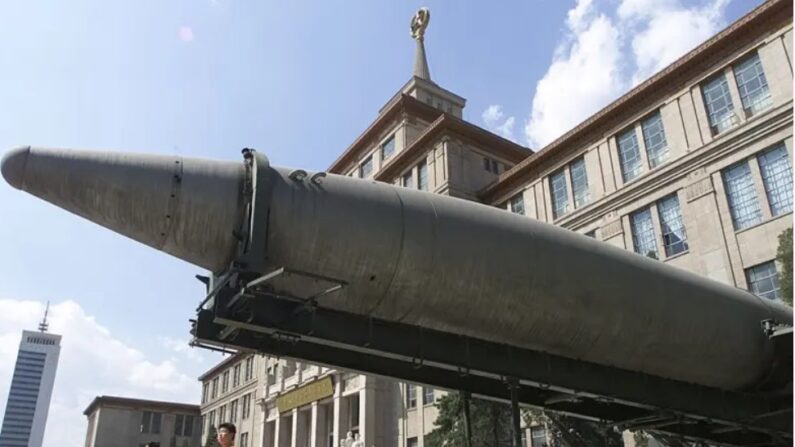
point(31, 388)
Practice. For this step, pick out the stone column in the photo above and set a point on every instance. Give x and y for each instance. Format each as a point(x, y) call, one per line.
point(367, 412)
point(313, 426)
point(294, 428)
point(337, 404)
point(276, 430)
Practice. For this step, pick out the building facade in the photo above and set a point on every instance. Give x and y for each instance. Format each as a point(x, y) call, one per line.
point(229, 394)
point(124, 422)
point(693, 167)
point(31, 389)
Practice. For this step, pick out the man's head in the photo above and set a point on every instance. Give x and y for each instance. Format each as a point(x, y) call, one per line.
point(226, 434)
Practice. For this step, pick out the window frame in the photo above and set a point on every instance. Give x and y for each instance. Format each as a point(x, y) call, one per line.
point(670, 249)
point(411, 396)
point(422, 166)
point(723, 119)
point(516, 204)
point(775, 279)
point(759, 104)
point(386, 143)
point(655, 156)
point(777, 184)
point(742, 197)
point(558, 211)
point(624, 160)
point(366, 161)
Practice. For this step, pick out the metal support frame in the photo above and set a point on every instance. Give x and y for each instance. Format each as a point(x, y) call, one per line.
point(513, 386)
point(465, 398)
point(286, 327)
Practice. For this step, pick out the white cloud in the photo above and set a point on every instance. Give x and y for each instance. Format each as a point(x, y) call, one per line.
point(606, 51)
point(584, 76)
point(671, 32)
point(493, 119)
point(92, 363)
point(181, 347)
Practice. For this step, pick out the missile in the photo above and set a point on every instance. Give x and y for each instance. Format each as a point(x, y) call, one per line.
point(423, 259)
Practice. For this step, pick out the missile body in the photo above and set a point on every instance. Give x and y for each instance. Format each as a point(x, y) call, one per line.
point(427, 260)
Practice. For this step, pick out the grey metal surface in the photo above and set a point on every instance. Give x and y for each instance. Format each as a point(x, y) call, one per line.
point(185, 207)
point(432, 261)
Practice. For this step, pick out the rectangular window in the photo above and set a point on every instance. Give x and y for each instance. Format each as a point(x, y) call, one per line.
point(272, 375)
point(752, 85)
point(411, 396)
point(412, 442)
point(643, 238)
point(225, 382)
point(538, 437)
point(654, 138)
point(179, 423)
point(366, 168)
point(236, 376)
point(212, 420)
point(289, 369)
point(718, 102)
point(146, 422)
point(188, 426)
point(776, 173)
point(246, 410)
point(422, 176)
point(244, 440)
point(205, 389)
point(741, 195)
point(763, 280)
point(629, 155)
point(559, 193)
point(249, 372)
point(408, 179)
point(673, 228)
point(233, 411)
point(579, 182)
point(517, 204)
point(388, 148)
point(215, 388)
point(427, 395)
point(222, 414)
point(491, 165)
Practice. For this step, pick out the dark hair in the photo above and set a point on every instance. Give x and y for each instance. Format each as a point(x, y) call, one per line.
point(229, 426)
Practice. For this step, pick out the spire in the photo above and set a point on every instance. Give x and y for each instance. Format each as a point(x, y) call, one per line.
point(44, 325)
point(418, 25)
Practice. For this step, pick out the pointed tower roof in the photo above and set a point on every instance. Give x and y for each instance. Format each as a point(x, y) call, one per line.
point(418, 25)
point(44, 325)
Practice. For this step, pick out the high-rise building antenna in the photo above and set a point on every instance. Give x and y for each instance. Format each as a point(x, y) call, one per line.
point(44, 325)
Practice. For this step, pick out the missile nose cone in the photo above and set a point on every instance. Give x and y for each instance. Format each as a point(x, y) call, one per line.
point(13, 165)
point(186, 207)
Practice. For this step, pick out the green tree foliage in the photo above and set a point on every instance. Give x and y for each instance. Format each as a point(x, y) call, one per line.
point(211, 440)
point(567, 431)
point(784, 258)
point(491, 423)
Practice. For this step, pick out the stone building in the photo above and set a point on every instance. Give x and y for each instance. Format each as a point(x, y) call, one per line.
point(691, 167)
point(125, 422)
point(229, 394)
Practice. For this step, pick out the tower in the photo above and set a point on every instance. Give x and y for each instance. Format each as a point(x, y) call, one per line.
point(31, 388)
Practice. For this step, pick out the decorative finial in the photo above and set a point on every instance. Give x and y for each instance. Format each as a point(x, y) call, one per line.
point(44, 325)
point(420, 22)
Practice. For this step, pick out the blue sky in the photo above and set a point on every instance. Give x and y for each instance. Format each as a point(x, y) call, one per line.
point(297, 80)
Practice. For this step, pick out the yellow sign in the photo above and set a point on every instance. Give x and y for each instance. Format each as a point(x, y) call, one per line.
point(306, 394)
